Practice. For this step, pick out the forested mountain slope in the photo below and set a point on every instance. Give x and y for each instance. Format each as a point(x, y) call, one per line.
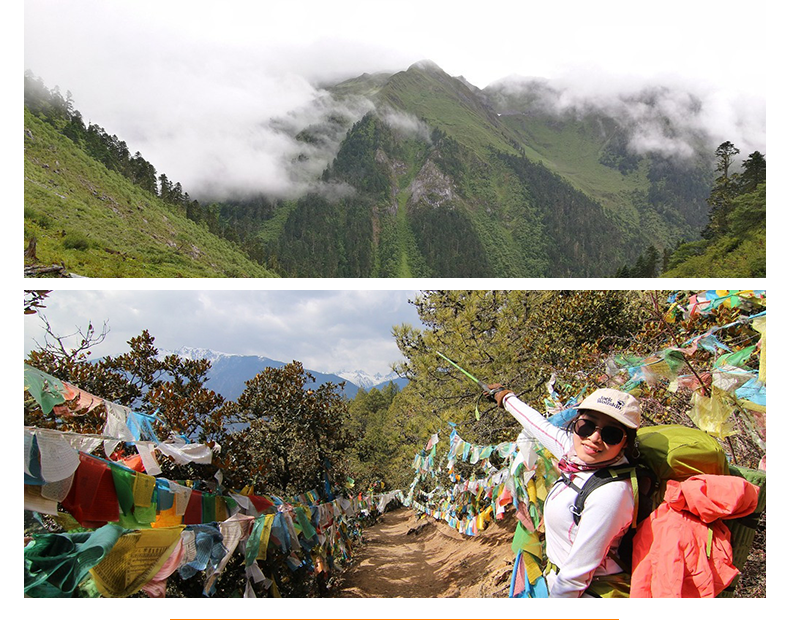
point(452, 181)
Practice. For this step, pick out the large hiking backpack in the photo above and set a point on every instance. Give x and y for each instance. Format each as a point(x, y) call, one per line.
point(672, 452)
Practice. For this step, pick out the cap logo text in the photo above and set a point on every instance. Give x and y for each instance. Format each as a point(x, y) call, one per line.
point(608, 401)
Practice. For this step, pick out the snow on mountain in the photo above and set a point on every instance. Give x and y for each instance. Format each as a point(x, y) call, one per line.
point(189, 352)
point(366, 380)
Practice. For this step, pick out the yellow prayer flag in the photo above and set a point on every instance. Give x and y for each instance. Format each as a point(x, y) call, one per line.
point(532, 490)
point(143, 489)
point(167, 518)
point(134, 560)
point(711, 414)
point(759, 325)
point(532, 568)
point(265, 534)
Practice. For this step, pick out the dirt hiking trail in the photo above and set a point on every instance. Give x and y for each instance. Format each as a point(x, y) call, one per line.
point(408, 557)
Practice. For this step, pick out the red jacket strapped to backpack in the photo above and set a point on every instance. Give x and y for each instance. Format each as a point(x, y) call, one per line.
point(683, 548)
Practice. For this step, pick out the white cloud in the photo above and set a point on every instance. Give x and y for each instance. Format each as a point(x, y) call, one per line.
point(693, 110)
point(407, 124)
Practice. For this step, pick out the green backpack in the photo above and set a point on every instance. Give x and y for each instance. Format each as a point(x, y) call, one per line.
point(675, 452)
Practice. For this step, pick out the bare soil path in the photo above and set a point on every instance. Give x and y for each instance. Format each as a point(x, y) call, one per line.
point(409, 557)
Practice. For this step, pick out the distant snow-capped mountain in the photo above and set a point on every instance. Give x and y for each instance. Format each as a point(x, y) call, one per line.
point(230, 371)
point(189, 352)
point(366, 380)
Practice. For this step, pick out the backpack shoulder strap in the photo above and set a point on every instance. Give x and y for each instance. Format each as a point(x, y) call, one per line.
point(602, 477)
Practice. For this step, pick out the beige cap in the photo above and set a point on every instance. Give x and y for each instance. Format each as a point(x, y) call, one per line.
point(619, 405)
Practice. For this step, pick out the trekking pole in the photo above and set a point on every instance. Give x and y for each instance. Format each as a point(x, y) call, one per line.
point(483, 386)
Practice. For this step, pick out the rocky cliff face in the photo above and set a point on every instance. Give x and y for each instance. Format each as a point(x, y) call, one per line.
point(431, 187)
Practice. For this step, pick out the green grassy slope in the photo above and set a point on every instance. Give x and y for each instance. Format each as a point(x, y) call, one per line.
point(449, 105)
point(573, 148)
point(742, 257)
point(650, 206)
point(98, 224)
point(656, 197)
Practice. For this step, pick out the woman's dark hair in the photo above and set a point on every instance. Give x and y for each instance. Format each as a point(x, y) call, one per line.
point(630, 451)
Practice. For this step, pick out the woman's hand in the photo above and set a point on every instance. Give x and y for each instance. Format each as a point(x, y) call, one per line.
point(497, 393)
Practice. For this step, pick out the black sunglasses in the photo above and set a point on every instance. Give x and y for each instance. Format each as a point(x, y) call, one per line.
point(610, 435)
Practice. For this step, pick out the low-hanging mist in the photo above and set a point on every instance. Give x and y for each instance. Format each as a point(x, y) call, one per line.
point(668, 117)
point(216, 98)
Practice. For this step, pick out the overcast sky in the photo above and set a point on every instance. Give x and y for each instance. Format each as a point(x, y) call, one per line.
point(327, 331)
point(194, 85)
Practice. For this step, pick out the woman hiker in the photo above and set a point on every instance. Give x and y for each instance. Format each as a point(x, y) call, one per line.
point(602, 434)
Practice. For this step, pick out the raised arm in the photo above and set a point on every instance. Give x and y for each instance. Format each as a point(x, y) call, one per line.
point(554, 439)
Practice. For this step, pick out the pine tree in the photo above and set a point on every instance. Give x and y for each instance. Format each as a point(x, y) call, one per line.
point(723, 192)
point(754, 173)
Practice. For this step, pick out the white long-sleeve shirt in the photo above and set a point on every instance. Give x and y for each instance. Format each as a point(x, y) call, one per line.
point(579, 551)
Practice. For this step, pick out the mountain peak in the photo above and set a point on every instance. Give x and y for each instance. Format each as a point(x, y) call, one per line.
point(191, 352)
point(427, 65)
point(366, 380)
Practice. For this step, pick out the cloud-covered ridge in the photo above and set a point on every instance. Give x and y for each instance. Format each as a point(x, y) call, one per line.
point(665, 119)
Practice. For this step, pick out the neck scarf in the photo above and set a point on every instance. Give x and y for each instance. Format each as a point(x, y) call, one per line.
point(570, 464)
